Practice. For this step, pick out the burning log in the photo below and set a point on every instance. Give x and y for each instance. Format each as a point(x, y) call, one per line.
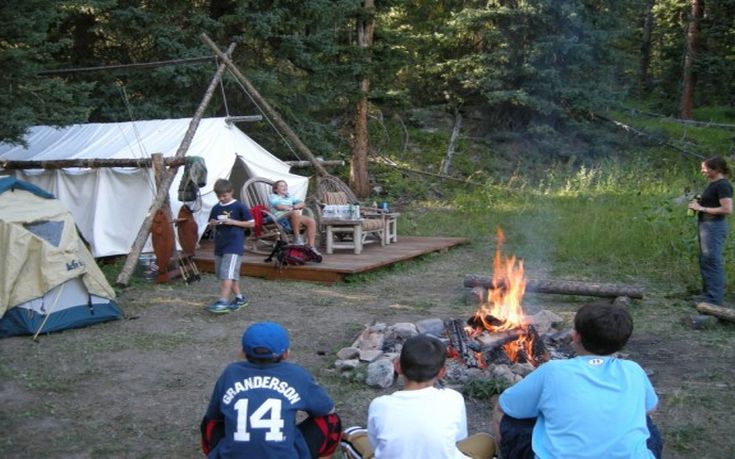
point(539, 353)
point(458, 339)
point(476, 322)
point(717, 311)
point(562, 287)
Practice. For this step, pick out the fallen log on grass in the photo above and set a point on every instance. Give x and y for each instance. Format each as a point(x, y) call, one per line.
point(717, 311)
point(564, 287)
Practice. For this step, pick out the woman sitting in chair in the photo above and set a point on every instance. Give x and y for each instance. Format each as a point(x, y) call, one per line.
point(288, 212)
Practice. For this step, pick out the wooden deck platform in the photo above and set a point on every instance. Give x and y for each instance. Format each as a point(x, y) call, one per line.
point(342, 263)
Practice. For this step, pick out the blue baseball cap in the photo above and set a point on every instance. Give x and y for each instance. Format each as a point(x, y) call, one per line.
point(264, 340)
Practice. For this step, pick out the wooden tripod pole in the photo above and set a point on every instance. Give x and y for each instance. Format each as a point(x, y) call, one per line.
point(168, 178)
point(290, 134)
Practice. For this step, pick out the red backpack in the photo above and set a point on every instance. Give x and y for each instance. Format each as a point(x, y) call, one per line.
point(285, 254)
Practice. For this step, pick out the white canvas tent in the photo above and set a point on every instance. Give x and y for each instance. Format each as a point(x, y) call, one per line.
point(110, 204)
point(48, 280)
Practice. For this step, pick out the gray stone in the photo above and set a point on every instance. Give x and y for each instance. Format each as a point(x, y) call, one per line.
point(369, 355)
point(430, 326)
point(402, 330)
point(378, 327)
point(347, 353)
point(380, 374)
point(503, 373)
point(370, 338)
point(544, 321)
point(522, 369)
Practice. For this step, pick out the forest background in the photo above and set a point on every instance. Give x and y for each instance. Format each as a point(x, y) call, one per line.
point(576, 126)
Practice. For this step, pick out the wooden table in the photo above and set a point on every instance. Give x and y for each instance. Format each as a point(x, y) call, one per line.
point(336, 226)
point(391, 227)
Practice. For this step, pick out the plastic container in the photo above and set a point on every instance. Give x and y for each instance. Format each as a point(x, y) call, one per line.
point(147, 268)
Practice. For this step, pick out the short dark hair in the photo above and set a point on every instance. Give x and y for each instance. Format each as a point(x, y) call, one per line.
point(275, 184)
point(604, 328)
point(223, 186)
point(718, 163)
point(422, 357)
point(263, 360)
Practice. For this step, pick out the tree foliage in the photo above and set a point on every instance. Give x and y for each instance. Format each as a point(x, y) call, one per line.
point(536, 66)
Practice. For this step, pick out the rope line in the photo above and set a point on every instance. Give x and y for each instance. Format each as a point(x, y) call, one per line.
point(290, 147)
point(143, 152)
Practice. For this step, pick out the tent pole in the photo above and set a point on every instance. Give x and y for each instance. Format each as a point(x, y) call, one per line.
point(162, 191)
point(267, 107)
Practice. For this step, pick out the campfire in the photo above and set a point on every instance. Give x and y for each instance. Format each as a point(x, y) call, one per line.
point(499, 341)
point(499, 332)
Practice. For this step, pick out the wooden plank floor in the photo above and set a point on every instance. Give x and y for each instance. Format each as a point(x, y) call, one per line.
point(340, 264)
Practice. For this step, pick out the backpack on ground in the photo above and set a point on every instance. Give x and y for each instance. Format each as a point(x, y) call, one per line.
point(285, 254)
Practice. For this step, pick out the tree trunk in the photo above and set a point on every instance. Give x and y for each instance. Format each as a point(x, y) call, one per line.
point(689, 76)
point(644, 77)
point(358, 166)
point(564, 287)
point(447, 163)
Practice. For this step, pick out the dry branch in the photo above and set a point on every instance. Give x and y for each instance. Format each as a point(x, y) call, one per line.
point(564, 287)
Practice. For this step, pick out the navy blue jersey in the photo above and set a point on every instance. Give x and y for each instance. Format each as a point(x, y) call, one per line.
point(259, 404)
point(230, 238)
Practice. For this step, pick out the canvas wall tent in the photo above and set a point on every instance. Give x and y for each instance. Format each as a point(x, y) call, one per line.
point(48, 279)
point(110, 204)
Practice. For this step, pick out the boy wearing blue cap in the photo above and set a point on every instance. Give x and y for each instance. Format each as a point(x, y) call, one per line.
point(252, 412)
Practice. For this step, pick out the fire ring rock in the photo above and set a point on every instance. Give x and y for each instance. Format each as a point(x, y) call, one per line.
point(380, 374)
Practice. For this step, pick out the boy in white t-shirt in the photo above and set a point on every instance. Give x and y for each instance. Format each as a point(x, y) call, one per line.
point(421, 420)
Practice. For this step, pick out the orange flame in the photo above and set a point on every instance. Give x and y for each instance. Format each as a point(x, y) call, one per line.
point(503, 310)
point(506, 293)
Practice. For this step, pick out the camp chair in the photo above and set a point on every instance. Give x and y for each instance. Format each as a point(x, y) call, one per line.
point(332, 191)
point(255, 195)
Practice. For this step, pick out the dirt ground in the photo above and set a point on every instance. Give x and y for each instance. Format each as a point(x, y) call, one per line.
point(139, 386)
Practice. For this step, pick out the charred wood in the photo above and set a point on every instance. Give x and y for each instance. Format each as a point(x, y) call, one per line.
point(459, 341)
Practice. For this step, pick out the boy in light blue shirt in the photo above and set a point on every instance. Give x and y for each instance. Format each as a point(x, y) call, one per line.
point(591, 406)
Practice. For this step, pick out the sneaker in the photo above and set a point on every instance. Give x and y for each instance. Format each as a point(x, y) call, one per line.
point(238, 302)
point(219, 307)
point(298, 240)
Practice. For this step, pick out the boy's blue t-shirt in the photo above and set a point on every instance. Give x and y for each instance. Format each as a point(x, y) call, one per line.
point(259, 405)
point(230, 238)
point(588, 406)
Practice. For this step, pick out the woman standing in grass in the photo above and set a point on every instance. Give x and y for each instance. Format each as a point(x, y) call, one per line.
point(712, 208)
